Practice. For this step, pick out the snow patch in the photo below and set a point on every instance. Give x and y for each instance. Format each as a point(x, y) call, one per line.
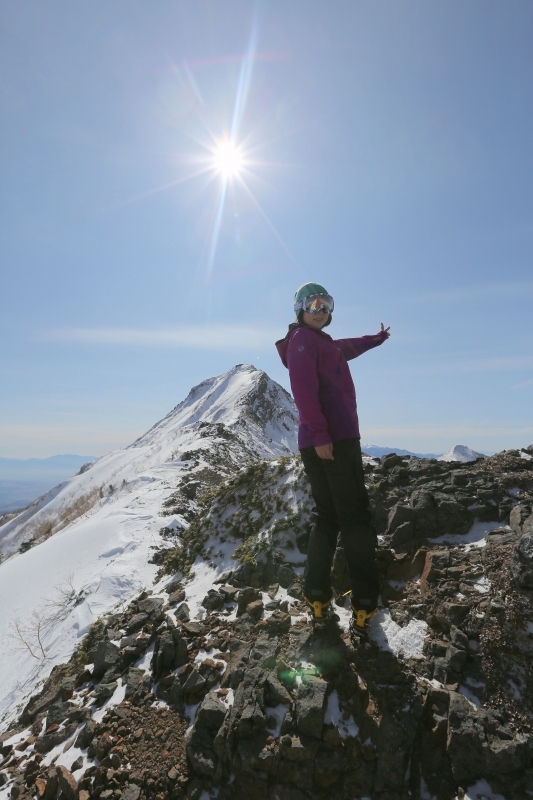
point(482, 584)
point(482, 790)
point(474, 538)
point(334, 716)
point(425, 794)
point(407, 641)
point(470, 696)
point(278, 714)
point(106, 521)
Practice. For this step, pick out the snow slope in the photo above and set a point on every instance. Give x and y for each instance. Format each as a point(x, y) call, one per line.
point(460, 452)
point(94, 533)
point(257, 412)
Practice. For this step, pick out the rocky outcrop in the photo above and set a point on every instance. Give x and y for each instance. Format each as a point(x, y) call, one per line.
point(246, 700)
point(521, 522)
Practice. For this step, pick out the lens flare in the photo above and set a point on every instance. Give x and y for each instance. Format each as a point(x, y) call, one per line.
point(228, 159)
point(225, 159)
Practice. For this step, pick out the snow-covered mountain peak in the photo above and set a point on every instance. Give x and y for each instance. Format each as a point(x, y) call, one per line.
point(243, 395)
point(460, 452)
point(225, 421)
point(98, 531)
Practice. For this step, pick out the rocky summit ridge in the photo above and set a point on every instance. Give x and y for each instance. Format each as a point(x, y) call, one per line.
point(211, 683)
point(241, 414)
point(93, 541)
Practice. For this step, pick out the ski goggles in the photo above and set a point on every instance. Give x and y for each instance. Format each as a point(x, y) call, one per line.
point(315, 303)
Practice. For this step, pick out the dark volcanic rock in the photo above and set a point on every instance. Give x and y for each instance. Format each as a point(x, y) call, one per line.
point(67, 783)
point(170, 652)
point(47, 742)
point(390, 461)
point(425, 512)
point(131, 792)
point(404, 533)
point(246, 596)
point(86, 734)
point(310, 707)
point(106, 656)
point(275, 692)
point(399, 515)
point(285, 576)
point(151, 605)
point(105, 690)
point(452, 517)
point(201, 746)
point(134, 681)
point(239, 652)
point(456, 613)
point(267, 739)
point(213, 600)
point(176, 596)
point(194, 687)
point(264, 651)
point(522, 562)
point(296, 589)
point(518, 516)
point(465, 739)
point(397, 733)
point(137, 622)
point(478, 746)
point(279, 622)
point(500, 536)
point(183, 612)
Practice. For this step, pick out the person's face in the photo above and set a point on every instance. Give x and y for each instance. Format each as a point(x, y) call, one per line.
point(315, 320)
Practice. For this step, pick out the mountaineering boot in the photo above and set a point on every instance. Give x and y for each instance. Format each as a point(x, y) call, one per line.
point(360, 621)
point(321, 614)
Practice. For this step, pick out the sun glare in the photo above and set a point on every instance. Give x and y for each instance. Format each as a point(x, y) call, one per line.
point(228, 159)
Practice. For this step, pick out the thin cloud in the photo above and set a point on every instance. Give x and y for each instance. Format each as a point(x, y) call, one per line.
point(495, 364)
point(524, 383)
point(447, 430)
point(480, 291)
point(200, 337)
point(446, 365)
point(31, 441)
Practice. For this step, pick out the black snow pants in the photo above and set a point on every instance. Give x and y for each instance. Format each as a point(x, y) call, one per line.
point(341, 500)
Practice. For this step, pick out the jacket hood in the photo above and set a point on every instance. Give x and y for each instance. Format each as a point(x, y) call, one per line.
point(283, 344)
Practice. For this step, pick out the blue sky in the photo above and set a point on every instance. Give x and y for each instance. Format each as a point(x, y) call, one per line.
point(389, 156)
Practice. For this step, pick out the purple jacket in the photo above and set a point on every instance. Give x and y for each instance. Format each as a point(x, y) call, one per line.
point(321, 382)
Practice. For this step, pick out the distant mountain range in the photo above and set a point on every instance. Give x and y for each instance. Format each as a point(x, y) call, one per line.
point(377, 452)
point(91, 550)
point(24, 479)
point(112, 515)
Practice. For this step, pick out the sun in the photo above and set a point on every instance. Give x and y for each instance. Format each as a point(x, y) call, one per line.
point(228, 159)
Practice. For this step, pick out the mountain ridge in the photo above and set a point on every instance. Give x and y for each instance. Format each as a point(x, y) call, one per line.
point(154, 663)
point(259, 415)
point(103, 526)
point(378, 451)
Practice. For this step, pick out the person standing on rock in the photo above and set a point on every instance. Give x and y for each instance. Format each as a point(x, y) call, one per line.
point(330, 445)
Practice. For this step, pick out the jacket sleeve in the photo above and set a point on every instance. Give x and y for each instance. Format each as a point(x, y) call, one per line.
point(302, 361)
point(351, 348)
